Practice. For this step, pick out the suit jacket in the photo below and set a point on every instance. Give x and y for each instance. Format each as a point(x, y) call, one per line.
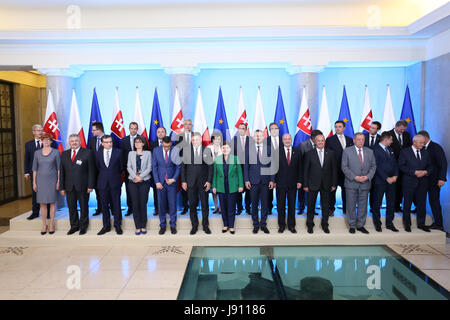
point(237, 148)
point(270, 144)
point(235, 179)
point(332, 143)
point(30, 148)
point(386, 164)
point(316, 177)
point(153, 145)
point(351, 166)
point(438, 161)
point(257, 171)
point(146, 165)
point(193, 171)
point(367, 140)
point(396, 144)
point(289, 175)
point(305, 147)
point(126, 147)
point(78, 175)
point(160, 168)
point(112, 175)
point(92, 144)
point(408, 164)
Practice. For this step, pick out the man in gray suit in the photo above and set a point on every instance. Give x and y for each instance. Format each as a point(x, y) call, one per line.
point(359, 166)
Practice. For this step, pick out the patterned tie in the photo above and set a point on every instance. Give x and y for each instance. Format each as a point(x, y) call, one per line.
point(360, 156)
point(74, 155)
point(289, 156)
point(108, 158)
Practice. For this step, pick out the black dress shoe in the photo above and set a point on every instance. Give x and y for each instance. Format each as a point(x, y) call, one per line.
point(351, 230)
point(434, 226)
point(408, 229)
point(216, 211)
point(300, 211)
point(363, 230)
point(238, 212)
point(173, 230)
point(424, 228)
point(310, 229)
point(378, 228)
point(325, 229)
point(119, 230)
point(398, 209)
point(232, 232)
point(292, 230)
point(193, 231)
point(207, 230)
point(392, 228)
point(255, 229)
point(185, 210)
point(72, 231)
point(32, 216)
point(97, 213)
point(129, 213)
point(280, 230)
point(414, 210)
point(103, 231)
point(162, 230)
point(83, 231)
point(156, 213)
point(331, 213)
point(224, 230)
point(316, 214)
point(265, 230)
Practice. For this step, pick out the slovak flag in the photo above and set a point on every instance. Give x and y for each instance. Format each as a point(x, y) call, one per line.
point(139, 119)
point(200, 125)
point(259, 121)
point(324, 123)
point(51, 122)
point(75, 126)
point(117, 128)
point(304, 125)
point(366, 118)
point(241, 116)
point(177, 117)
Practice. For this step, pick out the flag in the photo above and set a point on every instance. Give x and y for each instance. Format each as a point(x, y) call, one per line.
point(241, 116)
point(75, 126)
point(200, 120)
point(221, 122)
point(51, 122)
point(156, 120)
point(139, 119)
point(366, 118)
point(388, 116)
point(95, 115)
point(304, 125)
point(407, 114)
point(177, 117)
point(117, 127)
point(344, 115)
point(324, 123)
point(280, 115)
point(259, 121)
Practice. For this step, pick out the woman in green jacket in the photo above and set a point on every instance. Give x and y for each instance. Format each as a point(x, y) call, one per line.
point(227, 182)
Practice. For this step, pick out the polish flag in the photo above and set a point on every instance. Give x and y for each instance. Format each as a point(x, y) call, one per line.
point(117, 127)
point(177, 116)
point(51, 122)
point(324, 124)
point(139, 119)
point(259, 121)
point(241, 116)
point(388, 115)
point(366, 118)
point(200, 121)
point(75, 126)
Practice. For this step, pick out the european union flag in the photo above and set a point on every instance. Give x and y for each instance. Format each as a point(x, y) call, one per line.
point(221, 122)
point(156, 120)
point(280, 115)
point(408, 115)
point(344, 115)
point(95, 114)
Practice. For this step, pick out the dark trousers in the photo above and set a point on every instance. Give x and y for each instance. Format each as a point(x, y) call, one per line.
point(129, 198)
point(325, 196)
point(82, 197)
point(167, 203)
point(419, 195)
point(228, 205)
point(282, 193)
point(270, 200)
point(185, 197)
point(155, 195)
point(194, 192)
point(398, 192)
point(258, 193)
point(371, 195)
point(379, 190)
point(302, 199)
point(111, 199)
point(434, 198)
point(333, 199)
point(139, 197)
point(36, 207)
point(247, 200)
point(99, 200)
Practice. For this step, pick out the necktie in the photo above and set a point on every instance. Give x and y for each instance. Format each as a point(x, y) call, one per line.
point(98, 144)
point(74, 155)
point(275, 142)
point(259, 154)
point(418, 154)
point(387, 151)
point(360, 157)
point(160, 143)
point(289, 156)
point(321, 157)
point(132, 143)
point(107, 158)
point(243, 143)
point(372, 141)
point(38, 144)
point(400, 140)
point(166, 160)
point(341, 140)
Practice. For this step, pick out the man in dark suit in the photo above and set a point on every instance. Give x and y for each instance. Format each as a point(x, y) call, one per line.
point(337, 143)
point(109, 183)
point(401, 139)
point(273, 141)
point(160, 134)
point(77, 180)
point(240, 149)
point(30, 148)
point(196, 179)
point(372, 138)
point(319, 175)
point(415, 164)
point(95, 144)
point(288, 181)
point(438, 177)
point(384, 181)
point(166, 163)
point(183, 142)
point(258, 179)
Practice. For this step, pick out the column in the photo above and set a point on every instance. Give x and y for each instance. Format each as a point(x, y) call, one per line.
point(184, 80)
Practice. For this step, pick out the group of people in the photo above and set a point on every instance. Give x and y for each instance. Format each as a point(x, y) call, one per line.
point(366, 168)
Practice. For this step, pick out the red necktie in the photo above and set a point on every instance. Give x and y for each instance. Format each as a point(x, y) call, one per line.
point(289, 157)
point(166, 159)
point(360, 157)
point(74, 155)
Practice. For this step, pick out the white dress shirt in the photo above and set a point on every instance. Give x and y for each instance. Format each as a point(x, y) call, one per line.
point(104, 156)
point(362, 152)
